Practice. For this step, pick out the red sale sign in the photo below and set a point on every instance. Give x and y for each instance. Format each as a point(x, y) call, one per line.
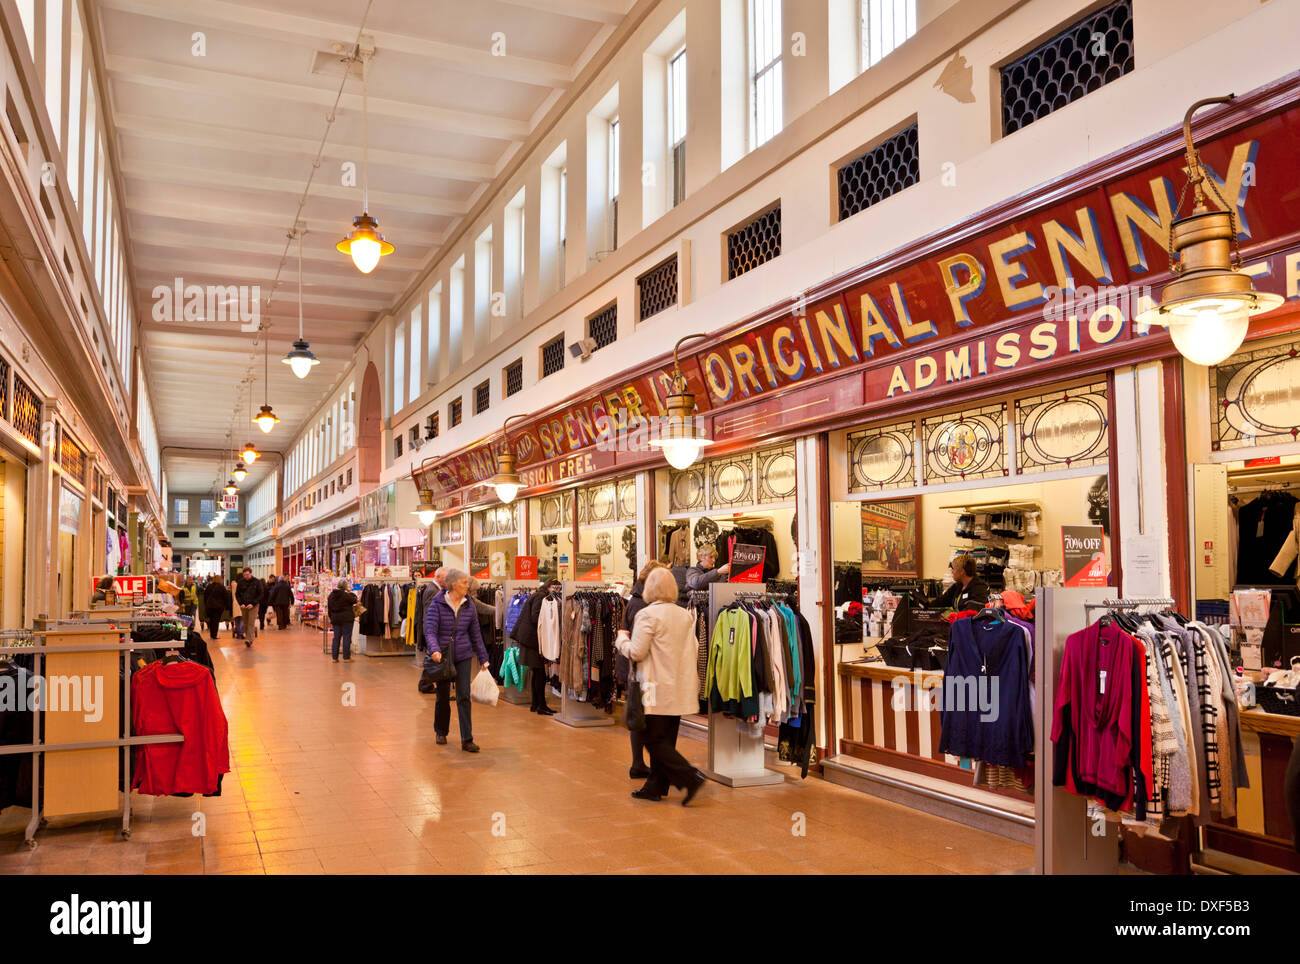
point(747, 563)
point(125, 585)
point(526, 567)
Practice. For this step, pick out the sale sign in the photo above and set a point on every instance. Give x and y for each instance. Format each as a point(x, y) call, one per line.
point(747, 563)
point(588, 567)
point(1084, 553)
point(526, 567)
point(480, 567)
point(126, 585)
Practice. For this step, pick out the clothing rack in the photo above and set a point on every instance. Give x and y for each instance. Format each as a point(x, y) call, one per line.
point(736, 759)
point(41, 744)
point(509, 588)
point(577, 712)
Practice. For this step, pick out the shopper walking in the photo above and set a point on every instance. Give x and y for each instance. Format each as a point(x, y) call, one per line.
point(662, 648)
point(452, 631)
point(267, 585)
point(216, 603)
point(281, 601)
point(189, 597)
point(635, 604)
point(248, 593)
point(339, 605)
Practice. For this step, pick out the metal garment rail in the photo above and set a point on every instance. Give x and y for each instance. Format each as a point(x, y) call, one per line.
point(39, 747)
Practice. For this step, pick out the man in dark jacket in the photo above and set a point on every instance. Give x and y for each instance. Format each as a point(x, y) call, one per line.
point(342, 618)
point(216, 603)
point(248, 593)
point(281, 599)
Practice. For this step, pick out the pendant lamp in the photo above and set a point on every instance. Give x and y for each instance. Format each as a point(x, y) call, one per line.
point(506, 481)
point(1207, 307)
point(425, 511)
point(681, 440)
point(240, 472)
point(300, 359)
point(364, 242)
point(265, 418)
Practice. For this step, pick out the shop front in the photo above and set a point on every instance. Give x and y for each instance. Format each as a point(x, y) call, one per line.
point(984, 395)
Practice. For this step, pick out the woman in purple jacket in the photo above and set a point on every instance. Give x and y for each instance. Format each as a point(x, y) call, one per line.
point(451, 628)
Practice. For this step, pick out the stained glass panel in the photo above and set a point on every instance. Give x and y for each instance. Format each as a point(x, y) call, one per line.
point(686, 489)
point(731, 482)
point(1256, 398)
point(882, 457)
point(964, 445)
point(1063, 429)
point(776, 475)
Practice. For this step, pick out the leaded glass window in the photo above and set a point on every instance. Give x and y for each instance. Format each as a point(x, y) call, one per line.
point(882, 457)
point(1063, 429)
point(776, 475)
point(1256, 398)
point(686, 489)
point(964, 445)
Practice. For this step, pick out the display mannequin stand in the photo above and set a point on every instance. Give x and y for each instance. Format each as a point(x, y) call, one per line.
point(736, 759)
point(577, 712)
point(509, 693)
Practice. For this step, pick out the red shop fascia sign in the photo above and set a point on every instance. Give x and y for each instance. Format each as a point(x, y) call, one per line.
point(1047, 283)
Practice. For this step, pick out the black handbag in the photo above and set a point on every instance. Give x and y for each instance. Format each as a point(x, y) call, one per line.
point(634, 711)
point(435, 672)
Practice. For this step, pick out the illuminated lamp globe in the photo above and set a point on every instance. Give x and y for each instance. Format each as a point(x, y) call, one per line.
point(682, 453)
point(365, 244)
point(301, 360)
point(1210, 336)
point(266, 419)
point(425, 511)
point(231, 487)
point(249, 454)
point(506, 481)
point(239, 473)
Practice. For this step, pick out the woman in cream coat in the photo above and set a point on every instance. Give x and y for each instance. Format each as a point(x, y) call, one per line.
point(662, 648)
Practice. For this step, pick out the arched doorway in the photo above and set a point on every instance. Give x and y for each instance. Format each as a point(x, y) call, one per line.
point(370, 428)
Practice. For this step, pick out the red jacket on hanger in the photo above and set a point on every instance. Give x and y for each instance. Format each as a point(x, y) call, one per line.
point(178, 698)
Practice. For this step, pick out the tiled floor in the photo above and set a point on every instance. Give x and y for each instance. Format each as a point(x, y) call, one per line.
point(334, 770)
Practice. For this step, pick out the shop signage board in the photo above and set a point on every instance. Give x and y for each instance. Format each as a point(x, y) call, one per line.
point(526, 567)
point(127, 585)
point(228, 503)
point(424, 570)
point(387, 572)
point(379, 508)
point(746, 563)
point(1084, 554)
point(588, 567)
point(480, 567)
point(1035, 290)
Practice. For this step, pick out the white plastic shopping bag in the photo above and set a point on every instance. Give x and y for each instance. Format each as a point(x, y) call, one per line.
point(484, 689)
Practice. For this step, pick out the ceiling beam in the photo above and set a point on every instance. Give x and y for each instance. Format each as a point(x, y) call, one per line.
point(322, 34)
point(154, 73)
point(189, 174)
point(278, 220)
point(593, 11)
point(145, 292)
point(199, 134)
point(193, 244)
point(182, 336)
point(343, 276)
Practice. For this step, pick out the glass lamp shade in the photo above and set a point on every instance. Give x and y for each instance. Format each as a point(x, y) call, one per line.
point(266, 419)
point(231, 488)
point(426, 516)
point(365, 244)
point(301, 360)
point(239, 473)
point(1210, 336)
point(506, 491)
point(249, 455)
point(681, 453)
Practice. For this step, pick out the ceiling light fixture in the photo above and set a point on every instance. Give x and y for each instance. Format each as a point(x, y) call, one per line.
point(1208, 305)
point(506, 481)
point(265, 418)
point(680, 438)
point(300, 359)
point(240, 472)
point(364, 243)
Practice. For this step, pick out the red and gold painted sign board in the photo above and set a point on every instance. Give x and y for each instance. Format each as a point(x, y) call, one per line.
point(994, 301)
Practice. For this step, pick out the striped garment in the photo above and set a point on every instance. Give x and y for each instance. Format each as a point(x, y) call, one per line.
point(1209, 719)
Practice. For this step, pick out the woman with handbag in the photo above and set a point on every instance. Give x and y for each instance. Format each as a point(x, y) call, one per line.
point(634, 605)
point(452, 633)
point(662, 649)
point(341, 606)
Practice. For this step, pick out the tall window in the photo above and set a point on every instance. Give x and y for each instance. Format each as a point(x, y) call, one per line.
point(765, 70)
point(564, 204)
point(399, 367)
point(181, 512)
point(74, 105)
point(677, 123)
point(885, 25)
point(416, 334)
point(54, 66)
point(613, 183)
point(88, 170)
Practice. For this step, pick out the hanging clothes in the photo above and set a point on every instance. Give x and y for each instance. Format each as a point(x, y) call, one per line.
point(987, 714)
point(750, 536)
point(178, 697)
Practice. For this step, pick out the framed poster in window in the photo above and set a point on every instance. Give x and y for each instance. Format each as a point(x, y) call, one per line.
point(891, 538)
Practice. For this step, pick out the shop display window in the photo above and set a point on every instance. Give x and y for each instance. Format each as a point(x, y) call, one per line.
point(496, 542)
point(743, 496)
point(607, 520)
point(448, 536)
point(551, 534)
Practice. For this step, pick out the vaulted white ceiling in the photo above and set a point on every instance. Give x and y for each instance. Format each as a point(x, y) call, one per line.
point(216, 137)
